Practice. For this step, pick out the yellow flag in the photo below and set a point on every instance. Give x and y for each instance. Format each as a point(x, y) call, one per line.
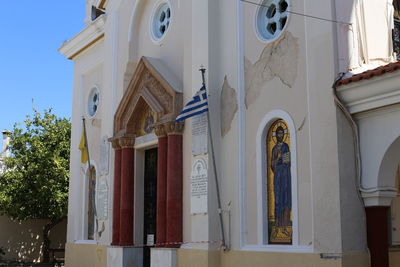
point(83, 148)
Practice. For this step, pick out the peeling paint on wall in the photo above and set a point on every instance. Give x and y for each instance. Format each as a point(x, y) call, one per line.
point(228, 105)
point(278, 59)
point(96, 122)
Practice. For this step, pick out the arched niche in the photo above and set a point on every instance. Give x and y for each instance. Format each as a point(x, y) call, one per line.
point(262, 195)
point(152, 87)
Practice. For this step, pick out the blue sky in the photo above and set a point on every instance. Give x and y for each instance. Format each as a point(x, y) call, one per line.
point(30, 65)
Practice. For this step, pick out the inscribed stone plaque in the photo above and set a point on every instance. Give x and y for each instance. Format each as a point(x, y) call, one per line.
point(102, 200)
point(199, 185)
point(150, 240)
point(199, 134)
point(104, 155)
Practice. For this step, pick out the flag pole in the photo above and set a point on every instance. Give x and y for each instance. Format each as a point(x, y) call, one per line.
point(90, 171)
point(203, 70)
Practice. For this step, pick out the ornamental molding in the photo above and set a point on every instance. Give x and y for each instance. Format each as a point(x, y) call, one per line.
point(371, 94)
point(115, 143)
point(127, 141)
point(152, 86)
point(174, 127)
point(84, 39)
point(159, 130)
point(379, 197)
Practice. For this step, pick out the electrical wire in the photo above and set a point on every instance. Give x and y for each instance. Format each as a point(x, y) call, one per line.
point(300, 14)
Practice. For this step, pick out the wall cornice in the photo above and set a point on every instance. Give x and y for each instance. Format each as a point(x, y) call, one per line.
point(84, 39)
point(379, 198)
point(371, 94)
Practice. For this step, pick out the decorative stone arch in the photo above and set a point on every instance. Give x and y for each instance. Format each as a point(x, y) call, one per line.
point(152, 87)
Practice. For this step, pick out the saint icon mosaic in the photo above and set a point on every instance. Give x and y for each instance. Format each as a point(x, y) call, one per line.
point(278, 183)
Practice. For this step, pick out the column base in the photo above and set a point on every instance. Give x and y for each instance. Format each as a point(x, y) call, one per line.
point(163, 257)
point(124, 257)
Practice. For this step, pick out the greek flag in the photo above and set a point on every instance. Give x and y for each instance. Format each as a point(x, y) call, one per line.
point(196, 106)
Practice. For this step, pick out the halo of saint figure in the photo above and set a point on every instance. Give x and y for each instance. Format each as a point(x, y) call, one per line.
point(279, 185)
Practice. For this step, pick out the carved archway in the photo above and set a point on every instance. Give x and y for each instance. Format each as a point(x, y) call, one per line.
point(153, 85)
point(150, 103)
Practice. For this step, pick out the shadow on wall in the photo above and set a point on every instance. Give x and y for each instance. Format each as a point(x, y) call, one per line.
point(22, 241)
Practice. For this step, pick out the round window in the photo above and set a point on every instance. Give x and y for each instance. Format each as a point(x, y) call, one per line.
point(93, 101)
point(271, 18)
point(161, 20)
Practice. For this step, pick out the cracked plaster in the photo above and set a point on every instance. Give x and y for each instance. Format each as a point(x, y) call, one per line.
point(229, 107)
point(278, 59)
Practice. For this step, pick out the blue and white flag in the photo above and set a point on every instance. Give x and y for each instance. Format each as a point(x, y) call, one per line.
point(196, 106)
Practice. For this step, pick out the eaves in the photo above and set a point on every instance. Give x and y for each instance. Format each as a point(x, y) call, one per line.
point(84, 39)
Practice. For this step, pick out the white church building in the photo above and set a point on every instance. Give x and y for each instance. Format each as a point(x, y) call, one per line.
point(298, 166)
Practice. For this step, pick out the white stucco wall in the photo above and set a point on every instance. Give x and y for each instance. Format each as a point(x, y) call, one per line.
point(301, 69)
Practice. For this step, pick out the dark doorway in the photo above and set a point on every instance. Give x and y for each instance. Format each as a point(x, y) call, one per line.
point(150, 202)
point(377, 235)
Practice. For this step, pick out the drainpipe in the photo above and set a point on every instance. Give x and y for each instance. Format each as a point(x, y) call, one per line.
point(241, 120)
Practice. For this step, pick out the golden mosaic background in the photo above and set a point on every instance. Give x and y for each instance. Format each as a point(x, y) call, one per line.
point(271, 141)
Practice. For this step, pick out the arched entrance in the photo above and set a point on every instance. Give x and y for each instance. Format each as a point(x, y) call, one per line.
point(381, 206)
point(148, 109)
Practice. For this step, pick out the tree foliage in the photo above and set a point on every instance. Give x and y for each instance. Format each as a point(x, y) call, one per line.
point(35, 183)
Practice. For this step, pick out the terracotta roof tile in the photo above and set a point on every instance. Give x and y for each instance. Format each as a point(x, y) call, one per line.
point(391, 67)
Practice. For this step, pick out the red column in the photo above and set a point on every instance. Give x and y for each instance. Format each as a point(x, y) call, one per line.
point(161, 187)
point(127, 178)
point(174, 189)
point(377, 235)
point(117, 196)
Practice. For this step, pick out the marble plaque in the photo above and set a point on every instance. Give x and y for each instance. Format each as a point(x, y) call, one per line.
point(199, 184)
point(150, 240)
point(102, 200)
point(199, 134)
point(104, 155)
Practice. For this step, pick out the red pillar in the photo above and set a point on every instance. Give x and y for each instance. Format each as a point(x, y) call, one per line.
point(377, 235)
point(174, 189)
point(117, 196)
point(127, 178)
point(161, 187)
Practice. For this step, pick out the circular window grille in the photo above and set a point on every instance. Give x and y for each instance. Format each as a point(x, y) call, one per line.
point(93, 101)
point(161, 20)
point(272, 18)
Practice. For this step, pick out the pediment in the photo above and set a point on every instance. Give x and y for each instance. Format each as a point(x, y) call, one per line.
point(153, 87)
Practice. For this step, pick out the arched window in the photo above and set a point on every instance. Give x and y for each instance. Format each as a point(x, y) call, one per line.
point(279, 184)
point(91, 176)
point(277, 212)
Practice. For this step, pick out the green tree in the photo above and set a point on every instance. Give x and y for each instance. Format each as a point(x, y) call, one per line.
point(35, 183)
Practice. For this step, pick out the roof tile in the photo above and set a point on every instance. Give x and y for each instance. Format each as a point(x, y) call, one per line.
point(366, 75)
